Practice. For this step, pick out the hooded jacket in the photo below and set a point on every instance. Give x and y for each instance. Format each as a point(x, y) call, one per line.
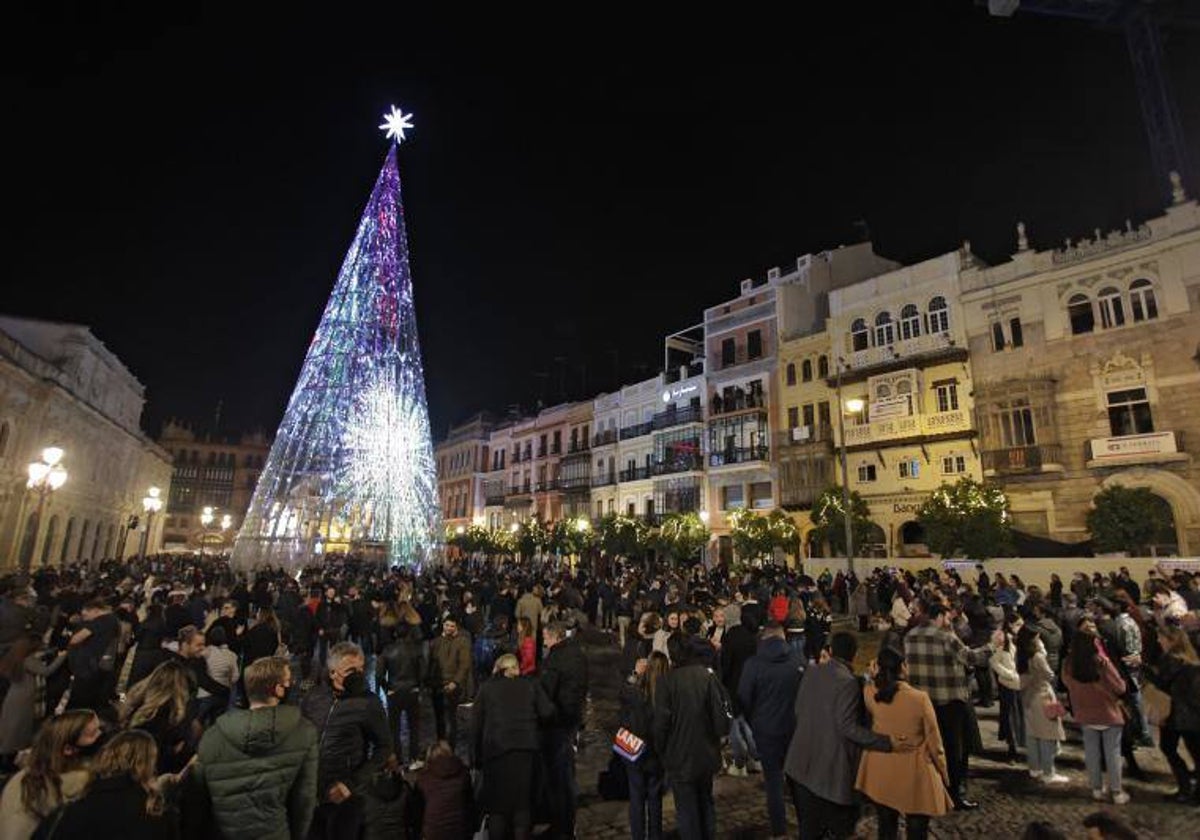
point(445, 786)
point(260, 768)
point(767, 694)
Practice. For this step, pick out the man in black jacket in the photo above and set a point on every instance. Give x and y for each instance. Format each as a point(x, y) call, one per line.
point(564, 677)
point(354, 741)
point(399, 669)
point(737, 646)
point(691, 716)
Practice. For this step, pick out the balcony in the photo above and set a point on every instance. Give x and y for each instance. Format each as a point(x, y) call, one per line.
point(678, 465)
point(577, 447)
point(902, 354)
point(741, 401)
point(604, 480)
point(541, 452)
point(575, 482)
point(556, 449)
point(548, 486)
point(741, 356)
point(516, 458)
point(638, 430)
point(803, 437)
point(668, 419)
point(635, 474)
point(1019, 460)
point(604, 438)
point(493, 496)
point(1152, 448)
point(738, 455)
point(912, 426)
point(519, 490)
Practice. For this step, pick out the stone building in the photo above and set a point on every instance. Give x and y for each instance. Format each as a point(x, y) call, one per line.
point(462, 460)
point(210, 470)
point(1086, 361)
point(60, 386)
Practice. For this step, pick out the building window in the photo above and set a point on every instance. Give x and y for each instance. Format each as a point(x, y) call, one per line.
point(823, 366)
point(866, 473)
point(1016, 425)
point(1129, 412)
point(1015, 334)
point(954, 464)
point(791, 373)
point(3, 439)
point(1079, 311)
point(997, 336)
point(728, 352)
point(1141, 300)
point(612, 506)
point(910, 468)
point(884, 333)
point(760, 495)
point(808, 415)
point(556, 447)
point(823, 414)
point(939, 315)
point(859, 335)
point(793, 417)
point(1112, 308)
point(754, 344)
point(947, 396)
point(599, 508)
point(910, 322)
point(732, 497)
point(806, 370)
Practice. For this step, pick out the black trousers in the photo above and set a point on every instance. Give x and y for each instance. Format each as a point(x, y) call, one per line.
point(445, 716)
point(407, 703)
point(820, 818)
point(1168, 742)
point(916, 826)
point(952, 721)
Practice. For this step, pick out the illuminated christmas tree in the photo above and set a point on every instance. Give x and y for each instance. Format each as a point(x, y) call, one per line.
point(351, 468)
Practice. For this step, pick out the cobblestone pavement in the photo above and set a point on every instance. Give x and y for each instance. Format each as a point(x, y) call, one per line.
point(1008, 798)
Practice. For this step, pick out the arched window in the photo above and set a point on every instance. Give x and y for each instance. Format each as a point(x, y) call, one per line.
point(823, 367)
point(806, 370)
point(791, 373)
point(1141, 303)
point(4, 430)
point(884, 330)
point(882, 391)
point(910, 321)
point(939, 315)
point(1081, 315)
point(859, 335)
point(1112, 308)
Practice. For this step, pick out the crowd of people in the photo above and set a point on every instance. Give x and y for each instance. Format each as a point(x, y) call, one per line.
point(174, 697)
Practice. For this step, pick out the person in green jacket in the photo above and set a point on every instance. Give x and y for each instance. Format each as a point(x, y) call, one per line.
point(260, 765)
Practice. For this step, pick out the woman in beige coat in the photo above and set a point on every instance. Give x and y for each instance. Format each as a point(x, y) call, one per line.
point(1043, 732)
point(914, 782)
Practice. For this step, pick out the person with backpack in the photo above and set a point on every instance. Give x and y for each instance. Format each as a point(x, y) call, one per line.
point(691, 716)
point(645, 773)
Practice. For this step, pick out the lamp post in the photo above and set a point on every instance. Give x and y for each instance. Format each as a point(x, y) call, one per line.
point(853, 405)
point(226, 524)
point(206, 519)
point(151, 504)
point(45, 476)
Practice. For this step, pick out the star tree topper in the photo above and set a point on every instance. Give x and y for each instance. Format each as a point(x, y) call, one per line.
point(395, 123)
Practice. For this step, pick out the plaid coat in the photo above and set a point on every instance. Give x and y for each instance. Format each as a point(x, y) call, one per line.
point(937, 663)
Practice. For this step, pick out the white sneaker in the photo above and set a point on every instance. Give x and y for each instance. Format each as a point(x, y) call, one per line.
point(734, 770)
point(1055, 779)
point(1099, 795)
point(1035, 774)
point(754, 766)
point(1120, 798)
point(416, 765)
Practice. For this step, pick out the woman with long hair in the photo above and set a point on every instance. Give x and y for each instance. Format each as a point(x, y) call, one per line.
point(646, 774)
point(263, 638)
point(160, 706)
point(1095, 687)
point(120, 799)
point(1004, 665)
point(54, 773)
point(526, 646)
point(1177, 672)
point(912, 783)
point(505, 732)
point(1043, 719)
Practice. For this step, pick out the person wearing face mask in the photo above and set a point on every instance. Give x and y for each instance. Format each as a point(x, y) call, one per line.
point(259, 765)
point(55, 772)
point(355, 743)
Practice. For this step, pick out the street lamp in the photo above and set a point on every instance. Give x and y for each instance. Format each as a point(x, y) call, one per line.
point(854, 406)
point(151, 504)
point(45, 476)
point(206, 519)
point(226, 524)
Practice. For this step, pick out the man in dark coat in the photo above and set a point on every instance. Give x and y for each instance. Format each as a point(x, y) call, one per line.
point(691, 716)
point(355, 742)
point(260, 765)
point(564, 677)
point(400, 670)
point(822, 758)
point(738, 645)
point(767, 696)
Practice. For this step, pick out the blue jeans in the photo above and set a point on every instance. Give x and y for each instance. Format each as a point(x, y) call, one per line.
point(773, 783)
point(695, 812)
point(1108, 741)
point(741, 741)
point(645, 802)
point(1040, 752)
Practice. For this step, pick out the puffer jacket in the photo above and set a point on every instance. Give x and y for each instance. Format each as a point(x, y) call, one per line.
point(401, 665)
point(260, 769)
point(354, 735)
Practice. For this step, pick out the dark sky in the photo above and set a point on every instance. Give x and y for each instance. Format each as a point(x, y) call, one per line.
point(188, 188)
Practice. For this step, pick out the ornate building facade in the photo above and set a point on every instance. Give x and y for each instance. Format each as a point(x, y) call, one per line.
point(60, 386)
point(462, 462)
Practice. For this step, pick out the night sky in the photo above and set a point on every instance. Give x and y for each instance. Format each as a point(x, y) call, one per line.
point(575, 188)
